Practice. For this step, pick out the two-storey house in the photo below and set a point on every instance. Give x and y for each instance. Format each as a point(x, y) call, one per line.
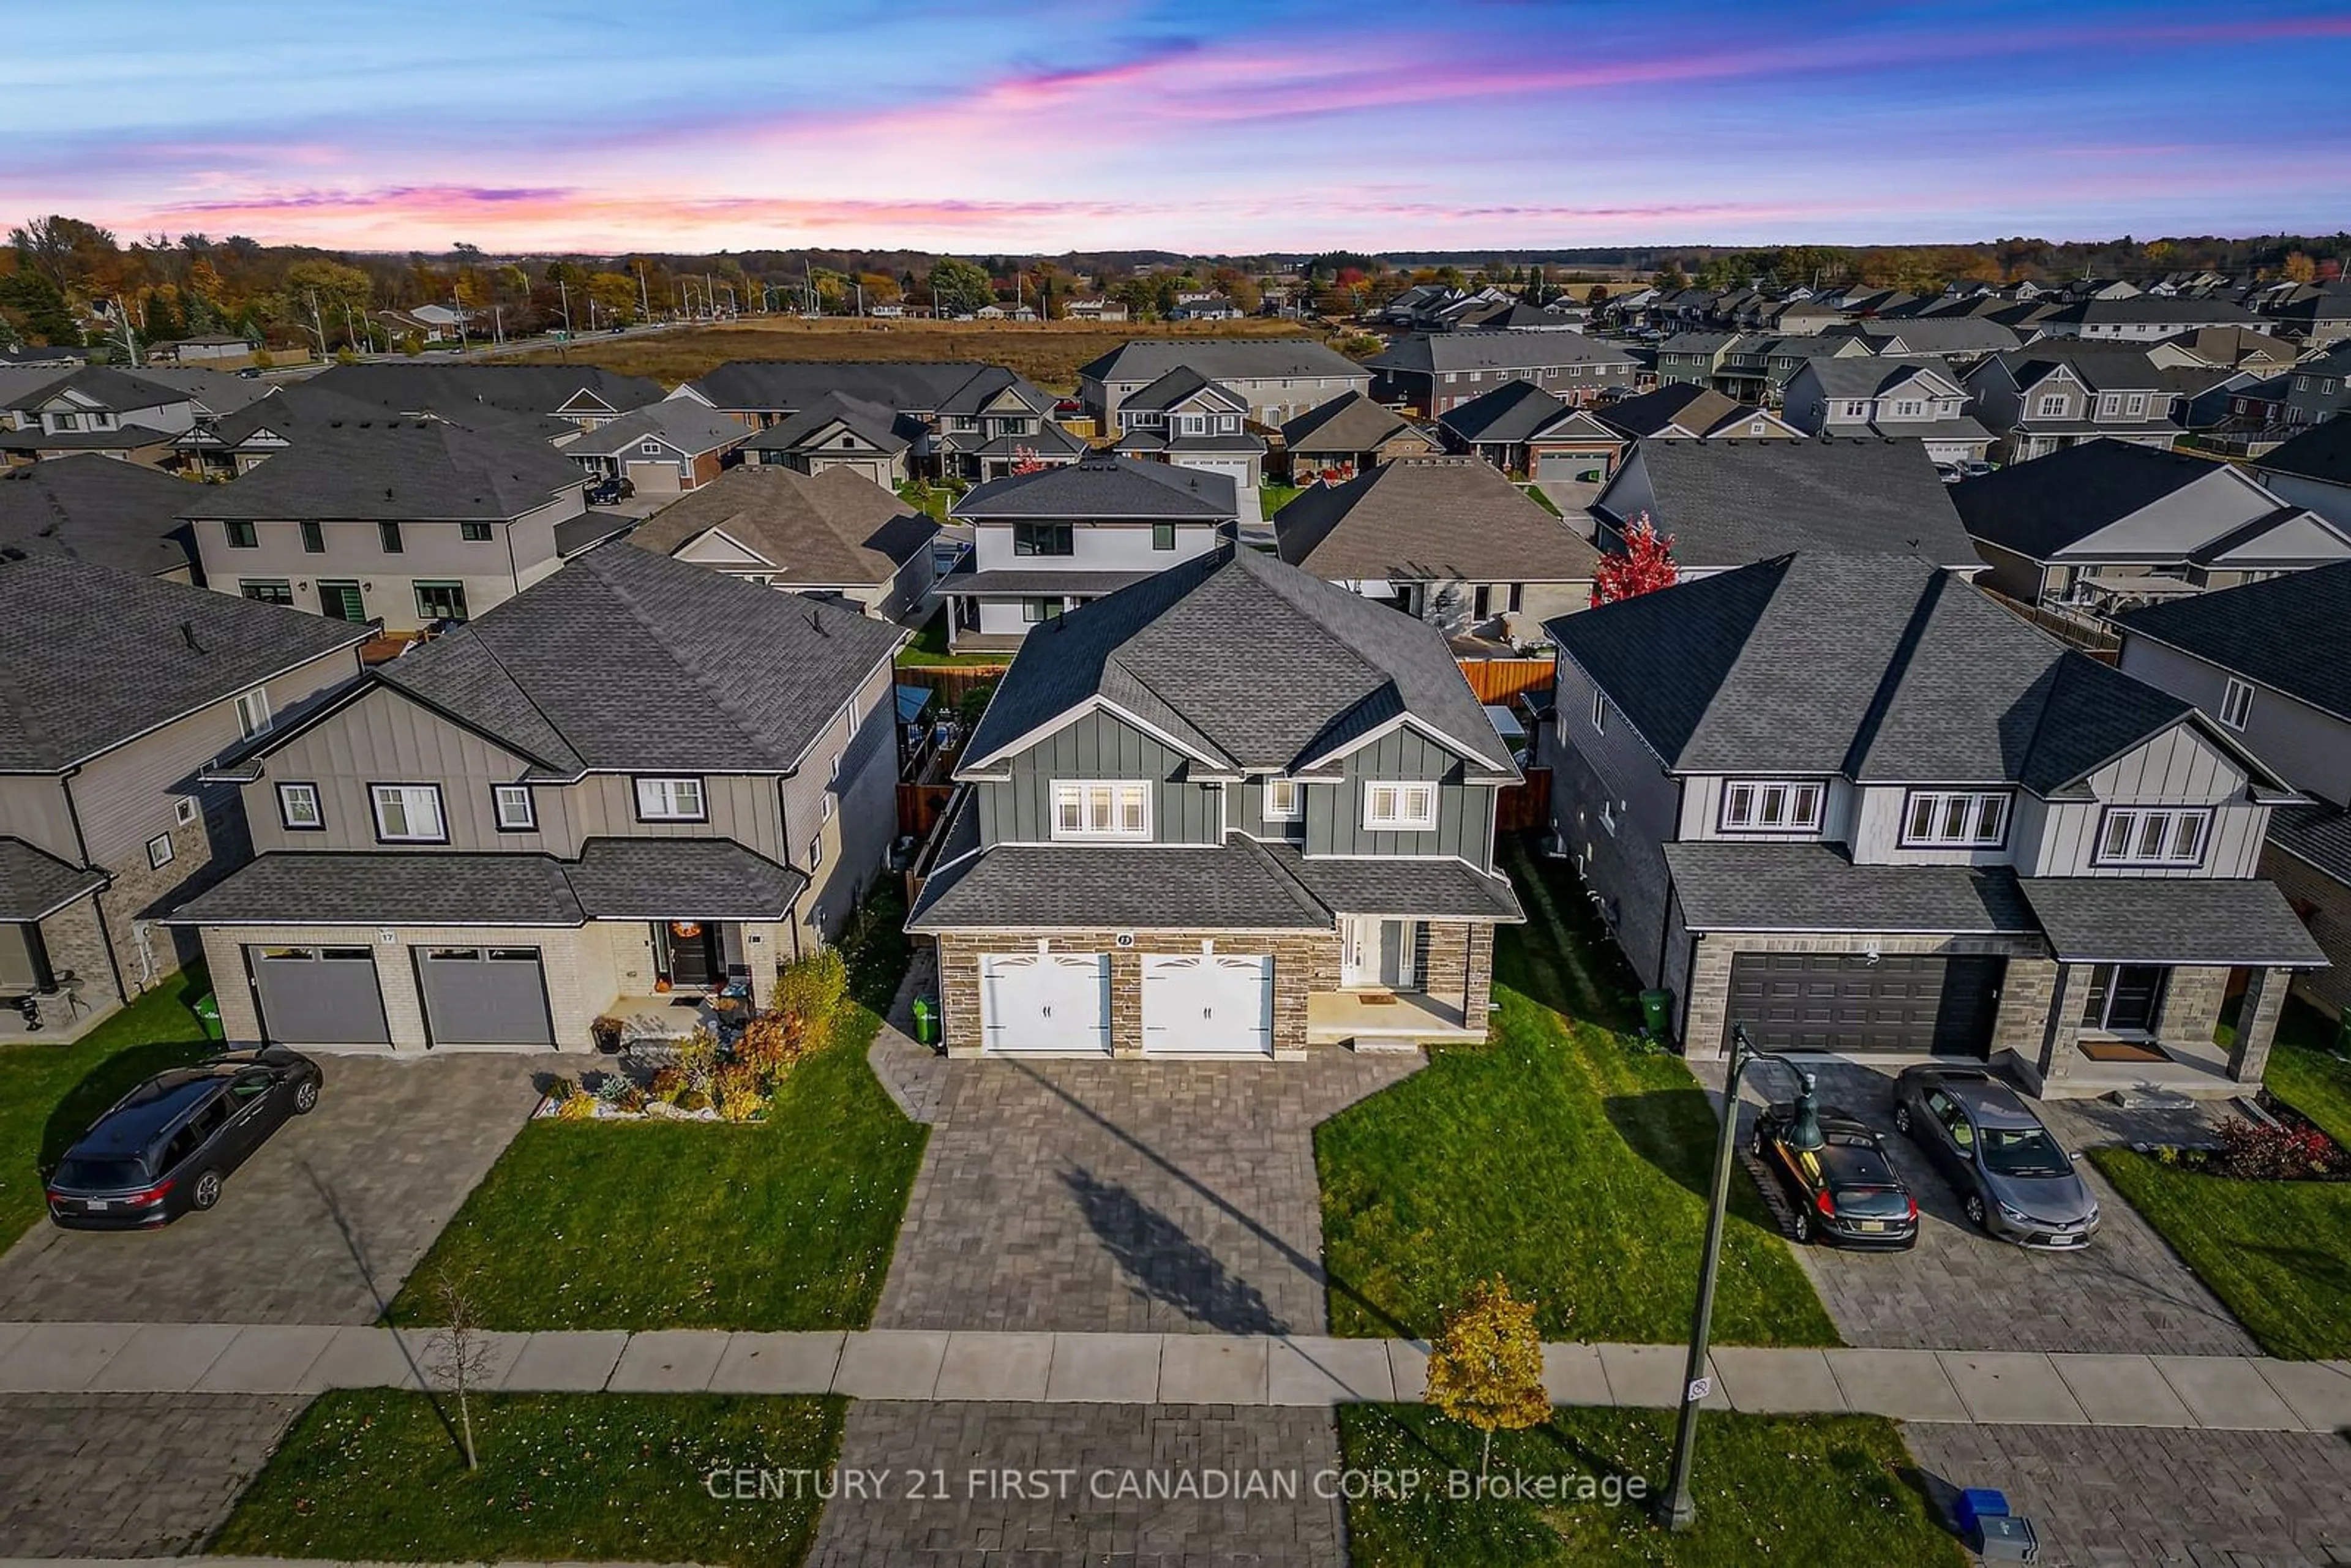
point(996, 420)
point(88, 506)
point(2319, 388)
point(2313, 470)
point(1187, 420)
point(1230, 811)
point(1281, 378)
point(2271, 663)
point(1045, 542)
point(1899, 399)
point(636, 782)
point(117, 689)
point(1685, 410)
point(884, 445)
point(408, 522)
point(2141, 317)
point(2035, 402)
point(1437, 372)
point(1851, 803)
point(135, 415)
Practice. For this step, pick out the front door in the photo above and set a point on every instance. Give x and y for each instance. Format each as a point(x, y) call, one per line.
point(1379, 953)
point(342, 602)
point(2124, 997)
point(694, 962)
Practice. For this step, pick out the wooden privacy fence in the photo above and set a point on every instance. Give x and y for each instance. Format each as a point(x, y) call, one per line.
point(919, 806)
point(1524, 808)
point(950, 681)
point(1502, 680)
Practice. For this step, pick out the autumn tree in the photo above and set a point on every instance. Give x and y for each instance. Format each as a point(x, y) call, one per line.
point(2299, 267)
point(615, 295)
point(1485, 1365)
point(330, 284)
point(1644, 565)
point(960, 287)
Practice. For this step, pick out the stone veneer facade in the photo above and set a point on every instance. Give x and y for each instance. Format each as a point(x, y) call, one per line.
point(2324, 906)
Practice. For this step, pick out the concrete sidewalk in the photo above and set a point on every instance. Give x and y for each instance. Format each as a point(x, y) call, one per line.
point(1995, 1387)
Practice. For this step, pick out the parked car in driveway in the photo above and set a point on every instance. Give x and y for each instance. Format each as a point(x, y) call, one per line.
point(166, 1147)
point(2013, 1180)
point(1846, 1192)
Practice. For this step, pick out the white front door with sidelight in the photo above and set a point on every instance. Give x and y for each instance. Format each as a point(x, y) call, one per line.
point(1379, 953)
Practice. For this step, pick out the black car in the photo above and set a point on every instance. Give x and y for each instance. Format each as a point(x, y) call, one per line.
point(167, 1145)
point(1844, 1192)
point(608, 492)
point(2014, 1179)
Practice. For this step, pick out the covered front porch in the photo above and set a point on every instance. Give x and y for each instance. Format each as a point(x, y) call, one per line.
point(57, 983)
point(1373, 1019)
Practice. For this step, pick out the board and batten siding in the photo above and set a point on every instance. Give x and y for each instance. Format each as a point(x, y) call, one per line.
point(1878, 824)
point(2177, 767)
point(1701, 816)
point(1465, 812)
point(1099, 744)
point(2312, 748)
point(1249, 812)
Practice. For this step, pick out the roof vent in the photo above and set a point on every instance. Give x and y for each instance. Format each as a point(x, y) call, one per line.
point(816, 623)
point(188, 636)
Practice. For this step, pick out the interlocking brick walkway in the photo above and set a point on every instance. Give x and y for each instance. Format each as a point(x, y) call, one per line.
point(1143, 1197)
point(126, 1475)
point(1103, 1448)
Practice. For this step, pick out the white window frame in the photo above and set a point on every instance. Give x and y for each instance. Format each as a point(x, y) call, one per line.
point(184, 810)
point(2051, 405)
point(2236, 704)
point(160, 851)
point(1100, 809)
point(1773, 805)
point(1275, 811)
point(2191, 826)
point(661, 799)
point(253, 713)
point(1399, 806)
point(1983, 817)
point(1599, 711)
point(2135, 406)
point(502, 795)
point(407, 797)
point(287, 819)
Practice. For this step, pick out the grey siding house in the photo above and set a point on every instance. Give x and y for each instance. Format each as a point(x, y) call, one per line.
point(117, 691)
point(1437, 372)
point(636, 782)
point(1852, 804)
point(2313, 470)
point(1281, 378)
point(1232, 811)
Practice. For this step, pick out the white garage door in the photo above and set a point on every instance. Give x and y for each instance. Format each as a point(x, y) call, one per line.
point(1208, 1004)
point(655, 478)
point(1055, 1004)
point(1237, 469)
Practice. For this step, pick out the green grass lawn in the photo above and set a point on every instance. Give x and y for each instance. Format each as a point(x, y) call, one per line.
point(1553, 1155)
point(1815, 1490)
point(374, 1475)
point(930, 647)
point(2278, 1253)
point(1273, 496)
point(1545, 502)
point(934, 500)
point(787, 1224)
point(49, 1094)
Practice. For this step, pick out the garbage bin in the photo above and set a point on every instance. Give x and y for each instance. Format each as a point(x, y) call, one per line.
point(207, 1011)
point(1657, 1013)
point(927, 1020)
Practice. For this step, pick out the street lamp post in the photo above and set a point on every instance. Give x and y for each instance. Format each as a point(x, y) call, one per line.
point(1677, 1510)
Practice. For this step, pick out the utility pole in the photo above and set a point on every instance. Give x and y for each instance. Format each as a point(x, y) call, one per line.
point(563, 292)
point(458, 304)
point(129, 342)
point(318, 325)
point(644, 292)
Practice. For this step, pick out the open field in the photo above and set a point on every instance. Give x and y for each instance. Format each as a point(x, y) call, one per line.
point(1046, 352)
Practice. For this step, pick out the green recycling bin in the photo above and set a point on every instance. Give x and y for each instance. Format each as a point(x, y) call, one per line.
point(1657, 1014)
point(927, 1020)
point(207, 1011)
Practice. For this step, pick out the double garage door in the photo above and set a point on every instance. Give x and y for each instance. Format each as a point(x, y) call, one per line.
point(472, 996)
point(1902, 1004)
point(1570, 466)
point(1193, 1004)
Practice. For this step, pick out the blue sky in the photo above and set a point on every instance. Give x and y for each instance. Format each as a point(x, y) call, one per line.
point(983, 126)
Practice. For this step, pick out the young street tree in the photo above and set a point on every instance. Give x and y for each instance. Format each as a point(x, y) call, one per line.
point(1644, 565)
point(459, 1356)
point(1485, 1366)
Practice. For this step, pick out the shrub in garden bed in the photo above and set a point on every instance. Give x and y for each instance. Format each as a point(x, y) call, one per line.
point(2289, 1149)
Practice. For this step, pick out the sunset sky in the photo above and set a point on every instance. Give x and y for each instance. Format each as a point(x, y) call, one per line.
point(975, 126)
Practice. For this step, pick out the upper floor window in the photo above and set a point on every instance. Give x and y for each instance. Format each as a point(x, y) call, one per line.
point(1856, 407)
point(1406, 807)
point(2236, 702)
point(2050, 406)
point(1162, 535)
point(2152, 836)
point(515, 812)
point(388, 535)
point(1955, 819)
point(474, 533)
point(1281, 802)
point(671, 800)
point(299, 808)
point(267, 589)
point(241, 535)
point(2110, 405)
point(1770, 806)
point(253, 713)
point(1908, 408)
point(314, 538)
point(408, 813)
point(2135, 405)
point(1098, 809)
point(1600, 711)
point(1044, 539)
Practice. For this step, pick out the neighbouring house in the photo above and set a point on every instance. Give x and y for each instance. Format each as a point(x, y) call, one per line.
point(92, 508)
point(117, 689)
point(1729, 502)
point(1958, 338)
point(2314, 469)
point(226, 446)
point(762, 392)
point(2096, 528)
point(1093, 307)
point(516, 830)
point(406, 522)
point(581, 395)
point(1852, 804)
point(667, 448)
point(2315, 318)
point(1525, 431)
point(1437, 372)
point(2320, 389)
point(1347, 436)
point(1045, 542)
point(431, 323)
point(212, 349)
point(1187, 420)
point(2232, 349)
point(2035, 402)
point(1281, 378)
point(129, 415)
point(1685, 410)
point(1448, 540)
point(2271, 663)
point(835, 534)
point(1207, 308)
point(995, 421)
point(879, 444)
point(1232, 811)
point(1899, 399)
point(2142, 317)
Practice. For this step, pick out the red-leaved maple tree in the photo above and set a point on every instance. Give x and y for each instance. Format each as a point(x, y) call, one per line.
point(1026, 461)
point(1644, 565)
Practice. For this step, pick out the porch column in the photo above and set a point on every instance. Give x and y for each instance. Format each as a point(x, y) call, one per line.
point(2257, 1022)
point(2059, 1040)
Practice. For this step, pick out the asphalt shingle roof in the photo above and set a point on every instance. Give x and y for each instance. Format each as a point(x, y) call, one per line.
point(1221, 359)
point(1351, 423)
point(456, 391)
point(1424, 352)
point(1102, 486)
point(121, 515)
point(2170, 920)
point(1817, 887)
point(396, 471)
point(2319, 833)
point(2291, 633)
point(824, 529)
point(779, 385)
point(661, 879)
point(388, 889)
point(2039, 508)
point(1430, 518)
point(1423, 889)
point(90, 656)
point(2322, 452)
point(1727, 502)
point(34, 883)
point(682, 422)
point(1697, 409)
point(877, 425)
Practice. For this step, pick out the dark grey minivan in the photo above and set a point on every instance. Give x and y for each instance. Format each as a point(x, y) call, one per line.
point(2013, 1180)
point(166, 1147)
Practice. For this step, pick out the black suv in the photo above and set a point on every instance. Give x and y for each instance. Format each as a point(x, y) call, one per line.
point(167, 1145)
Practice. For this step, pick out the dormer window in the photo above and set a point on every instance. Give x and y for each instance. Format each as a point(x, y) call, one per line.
point(1101, 809)
point(2050, 406)
point(1771, 806)
point(1955, 819)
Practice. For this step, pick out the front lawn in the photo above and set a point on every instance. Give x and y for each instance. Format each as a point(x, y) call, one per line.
point(1272, 497)
point(1809, 1489)
point(1555, 1156)
point(788, 1224)
point(1536, 494)
point(2277, 1253)
point(49, 1094)
point(374, 1475)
